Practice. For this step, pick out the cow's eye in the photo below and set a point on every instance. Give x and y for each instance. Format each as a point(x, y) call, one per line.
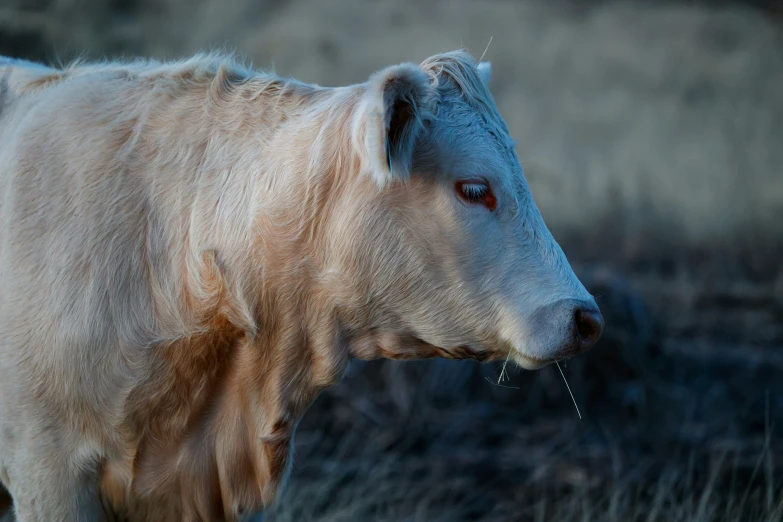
point(477, 192)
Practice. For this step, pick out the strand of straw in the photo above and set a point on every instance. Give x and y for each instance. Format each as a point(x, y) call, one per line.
point(569, 389)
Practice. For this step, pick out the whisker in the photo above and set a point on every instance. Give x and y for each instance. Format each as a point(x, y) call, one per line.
point(569, 389)
point(503, 369)
point(501, 385)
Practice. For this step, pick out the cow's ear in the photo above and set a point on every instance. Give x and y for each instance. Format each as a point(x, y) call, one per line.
point(390, 117)
point(485, 72)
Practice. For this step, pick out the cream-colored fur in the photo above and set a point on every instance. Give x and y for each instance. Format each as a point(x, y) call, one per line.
point(191, 251)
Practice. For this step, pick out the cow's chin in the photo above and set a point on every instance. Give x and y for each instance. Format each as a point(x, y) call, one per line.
point(530, 362)
point(519, 357)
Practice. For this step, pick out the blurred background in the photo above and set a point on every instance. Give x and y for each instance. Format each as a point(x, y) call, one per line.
point(652, 135)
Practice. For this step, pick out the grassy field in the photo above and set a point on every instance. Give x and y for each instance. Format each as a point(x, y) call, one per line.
point(652, 136)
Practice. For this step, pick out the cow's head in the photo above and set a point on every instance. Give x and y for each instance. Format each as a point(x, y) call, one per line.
point(440, 245)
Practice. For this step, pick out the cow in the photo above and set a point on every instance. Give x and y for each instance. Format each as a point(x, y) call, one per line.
point(191, 251)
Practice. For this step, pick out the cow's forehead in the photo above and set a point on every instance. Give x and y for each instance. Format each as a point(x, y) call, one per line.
point(476, 137)
point(479, 121)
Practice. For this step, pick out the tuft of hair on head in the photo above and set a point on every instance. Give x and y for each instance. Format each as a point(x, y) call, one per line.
point(391, 116)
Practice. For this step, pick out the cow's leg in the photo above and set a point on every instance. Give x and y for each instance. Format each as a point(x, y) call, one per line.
point(48, 485)
point(58, 497)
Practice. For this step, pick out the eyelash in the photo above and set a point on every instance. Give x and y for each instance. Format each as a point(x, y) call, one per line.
point(477, 192)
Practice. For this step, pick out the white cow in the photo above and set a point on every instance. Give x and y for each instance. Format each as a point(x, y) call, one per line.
point(191, 251)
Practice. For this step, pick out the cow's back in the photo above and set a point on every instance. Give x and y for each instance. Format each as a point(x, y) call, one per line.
point(16, 74)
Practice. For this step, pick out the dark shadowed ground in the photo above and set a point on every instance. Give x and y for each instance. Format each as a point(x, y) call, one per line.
point(652, 136)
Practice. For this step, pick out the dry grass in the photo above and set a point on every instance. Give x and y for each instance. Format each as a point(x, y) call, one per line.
point(651, 136)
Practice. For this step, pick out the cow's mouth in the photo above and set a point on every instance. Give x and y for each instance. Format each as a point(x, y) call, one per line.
point(522, 359)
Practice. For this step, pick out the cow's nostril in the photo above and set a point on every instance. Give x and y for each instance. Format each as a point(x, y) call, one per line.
point(589, 326)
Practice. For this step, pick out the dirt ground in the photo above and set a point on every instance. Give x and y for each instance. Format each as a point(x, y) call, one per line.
point(651, 134)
